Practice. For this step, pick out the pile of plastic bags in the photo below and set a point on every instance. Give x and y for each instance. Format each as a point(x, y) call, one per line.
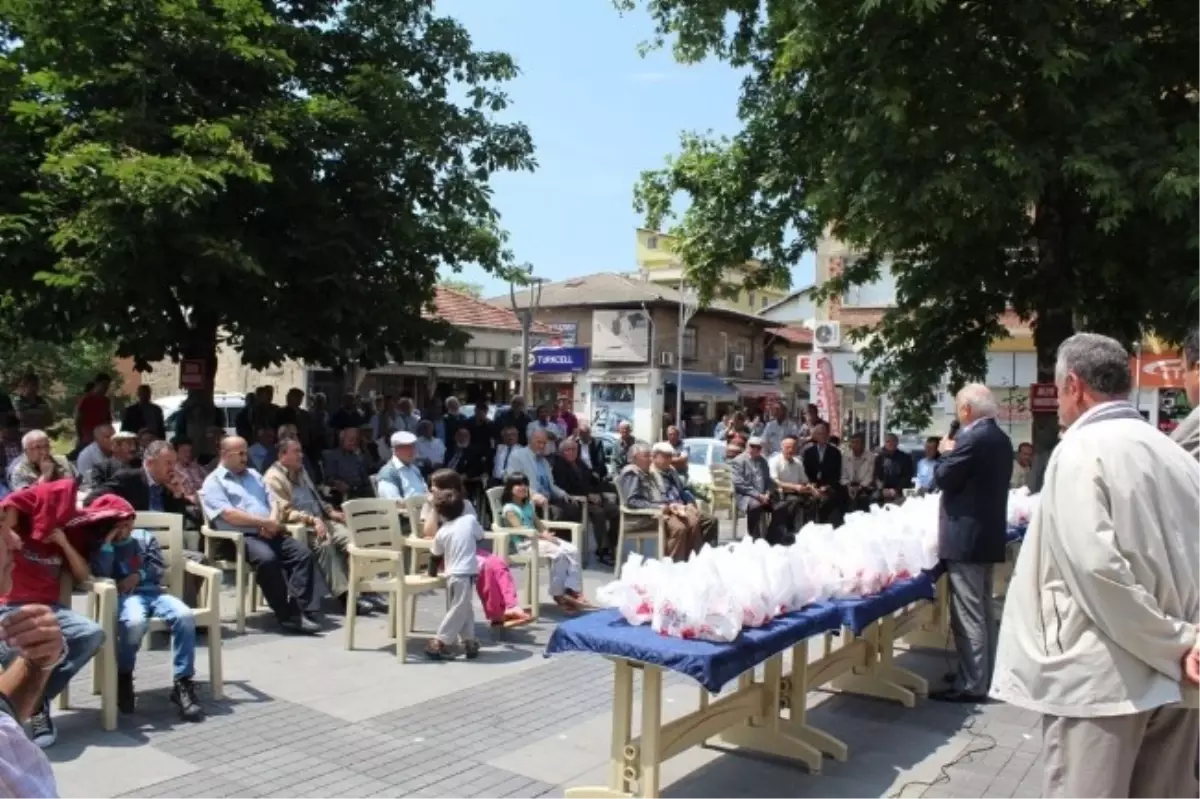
point(1021, 507)
point(720, 591)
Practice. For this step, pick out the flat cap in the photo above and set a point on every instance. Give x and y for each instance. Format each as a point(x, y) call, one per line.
point(403, 439)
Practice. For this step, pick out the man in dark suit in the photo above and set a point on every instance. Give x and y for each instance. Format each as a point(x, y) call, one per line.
point(973, 474)
point(154, 486)
point(572, 475)
point(823, 467)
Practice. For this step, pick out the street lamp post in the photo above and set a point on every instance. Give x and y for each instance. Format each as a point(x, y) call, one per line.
point(689, 304)
point(525, 317)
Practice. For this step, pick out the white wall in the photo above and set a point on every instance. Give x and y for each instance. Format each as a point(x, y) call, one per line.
point(793, 310)
point(647, 397)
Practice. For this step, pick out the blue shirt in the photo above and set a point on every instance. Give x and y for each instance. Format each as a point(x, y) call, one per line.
point(925, 473)
point(223, 490)
point(399, 480)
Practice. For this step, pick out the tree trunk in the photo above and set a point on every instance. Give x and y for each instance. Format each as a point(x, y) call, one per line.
point(1053, 323)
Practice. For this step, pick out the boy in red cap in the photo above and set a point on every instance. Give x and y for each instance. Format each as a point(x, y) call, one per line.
point(133, 559)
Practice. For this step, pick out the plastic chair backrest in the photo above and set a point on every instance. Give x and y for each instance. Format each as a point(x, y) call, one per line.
point(168, 529)
point(493, 497)
point(373, 523)
point(414, 506)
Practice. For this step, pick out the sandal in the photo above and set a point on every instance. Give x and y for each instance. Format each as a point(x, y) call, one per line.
point(436, 650)
point(567, 605)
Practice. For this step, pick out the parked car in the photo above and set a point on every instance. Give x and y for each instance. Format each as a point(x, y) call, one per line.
point(702, 454)
point(610, 443)
point(228, 407)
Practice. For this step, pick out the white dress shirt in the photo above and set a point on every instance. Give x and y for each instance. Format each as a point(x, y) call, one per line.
point(432, 450)
point(786, 471)
point(504, 454)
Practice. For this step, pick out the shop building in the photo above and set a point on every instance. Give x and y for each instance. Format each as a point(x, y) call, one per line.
point(630, 329)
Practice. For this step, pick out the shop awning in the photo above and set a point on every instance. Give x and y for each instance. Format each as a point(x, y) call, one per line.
point(701, 384)
point(756, 389)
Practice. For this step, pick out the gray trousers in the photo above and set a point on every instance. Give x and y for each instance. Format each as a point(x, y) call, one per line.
point(973, 623)
point(1144, 754)
point(460, 616)
point(332, 559)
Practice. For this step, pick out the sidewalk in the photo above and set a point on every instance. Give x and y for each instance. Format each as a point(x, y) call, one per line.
point(304, 717)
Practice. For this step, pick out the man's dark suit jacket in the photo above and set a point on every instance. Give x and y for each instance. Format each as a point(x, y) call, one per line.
point(825, 471)
point(576, 479)
point(133, 486)
point(599, 462)
point(973, 478)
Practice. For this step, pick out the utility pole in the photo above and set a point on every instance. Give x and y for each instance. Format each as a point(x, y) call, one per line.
point(525, 317)
point(689, 304)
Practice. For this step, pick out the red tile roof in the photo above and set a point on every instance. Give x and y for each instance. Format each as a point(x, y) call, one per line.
point(795, 334)
point(463, 310)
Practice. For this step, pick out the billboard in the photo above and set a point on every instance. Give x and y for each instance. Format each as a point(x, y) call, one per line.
point(621, 336)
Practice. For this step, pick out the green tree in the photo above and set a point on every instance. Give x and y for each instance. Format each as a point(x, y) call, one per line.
point(1036, 155)
point(288, 176)
point(463, 287)
point(64, 369)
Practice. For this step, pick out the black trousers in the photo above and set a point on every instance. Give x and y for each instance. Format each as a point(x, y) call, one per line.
point(776, 520)
point(287, 574)
point(860, 501)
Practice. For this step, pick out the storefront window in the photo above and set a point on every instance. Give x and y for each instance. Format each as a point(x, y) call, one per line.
point(612, 403)
point(689, 344)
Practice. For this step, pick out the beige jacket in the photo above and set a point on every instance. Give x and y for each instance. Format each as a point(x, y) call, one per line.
point(1187, 434)
point(279, 490)
point(1103, 602)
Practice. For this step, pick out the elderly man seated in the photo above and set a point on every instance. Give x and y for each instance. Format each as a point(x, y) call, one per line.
point(572, 475)
point(346, 468)
point(793, 489)
point(687, 529)
point(235, 498)
point(534, 462)
point(401, 478)
point(96, 452)
point(37, 464)
point(124, 456)
point(431, 452)
point(295, 500)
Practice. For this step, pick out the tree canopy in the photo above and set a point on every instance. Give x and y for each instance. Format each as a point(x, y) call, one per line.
point(288, 175)
point(463, 287)
point(1036, 155)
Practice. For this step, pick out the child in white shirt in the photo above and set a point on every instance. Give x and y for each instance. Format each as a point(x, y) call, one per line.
point(456, 541)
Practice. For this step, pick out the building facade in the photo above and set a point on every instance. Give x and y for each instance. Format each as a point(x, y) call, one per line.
point(658, 263)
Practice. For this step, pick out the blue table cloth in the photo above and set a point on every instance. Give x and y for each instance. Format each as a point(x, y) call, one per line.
point(710, 664)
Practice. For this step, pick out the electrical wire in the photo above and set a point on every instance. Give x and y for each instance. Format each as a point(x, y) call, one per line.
point(943, 774)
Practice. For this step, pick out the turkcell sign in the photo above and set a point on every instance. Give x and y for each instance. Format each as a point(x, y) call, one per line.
point(559, 359)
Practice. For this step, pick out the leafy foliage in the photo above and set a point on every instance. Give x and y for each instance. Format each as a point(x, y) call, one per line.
point(65, 369)
point(288, 175)
point(1037, 155)
point(463, 287)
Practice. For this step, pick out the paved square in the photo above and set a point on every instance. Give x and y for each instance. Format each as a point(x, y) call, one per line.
point(304, 717)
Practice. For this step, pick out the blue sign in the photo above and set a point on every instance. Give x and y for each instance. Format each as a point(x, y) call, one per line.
point(558, 359)
point(773, 368)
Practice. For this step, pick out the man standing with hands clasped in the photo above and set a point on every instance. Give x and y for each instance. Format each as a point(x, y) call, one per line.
point(1099, 632)
point(973, 475)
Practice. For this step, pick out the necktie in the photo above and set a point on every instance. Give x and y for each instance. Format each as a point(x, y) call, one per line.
point(507, 455)
point(156, 497)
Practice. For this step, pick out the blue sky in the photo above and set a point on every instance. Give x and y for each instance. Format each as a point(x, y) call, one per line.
point(599, 114)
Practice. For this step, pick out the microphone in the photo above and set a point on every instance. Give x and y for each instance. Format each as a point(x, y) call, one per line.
point(953, 430)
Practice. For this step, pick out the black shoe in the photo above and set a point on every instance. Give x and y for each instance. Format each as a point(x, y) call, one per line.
point(949, 677)
point(362, 607)
point(41, 726)
point(377, 601)
point(126, 701)
point(183, 696)
point(301, 624)
point(471, 649)
point(956, 696)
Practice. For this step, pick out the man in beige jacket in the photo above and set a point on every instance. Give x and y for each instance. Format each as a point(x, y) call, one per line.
point(1102, 610)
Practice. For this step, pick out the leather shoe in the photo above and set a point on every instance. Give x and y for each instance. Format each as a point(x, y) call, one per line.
point(957, 696)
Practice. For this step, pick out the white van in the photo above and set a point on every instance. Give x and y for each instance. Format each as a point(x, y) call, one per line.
point(228, 406)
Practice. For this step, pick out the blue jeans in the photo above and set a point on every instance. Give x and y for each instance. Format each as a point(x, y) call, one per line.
point(134, 612)
point(83, 638)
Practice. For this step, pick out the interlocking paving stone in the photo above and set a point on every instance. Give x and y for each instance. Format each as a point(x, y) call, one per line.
point(453, 740)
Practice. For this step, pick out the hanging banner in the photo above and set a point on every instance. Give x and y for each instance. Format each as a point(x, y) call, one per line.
point(824, 392)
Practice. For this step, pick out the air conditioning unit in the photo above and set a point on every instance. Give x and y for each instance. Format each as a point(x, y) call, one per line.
point(739, 363)
point(666, 359)
point(827, 335)
point(515, 359)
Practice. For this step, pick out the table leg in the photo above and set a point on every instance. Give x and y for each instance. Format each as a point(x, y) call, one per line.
point(935, 633)
point(867, 679)
point(888, 670)
point(771, 734)
point(651, 755)
point(795, 696)
point(622, 732)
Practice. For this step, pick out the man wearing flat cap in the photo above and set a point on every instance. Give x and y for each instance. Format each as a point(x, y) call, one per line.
point(401, 478)
point(754, 490)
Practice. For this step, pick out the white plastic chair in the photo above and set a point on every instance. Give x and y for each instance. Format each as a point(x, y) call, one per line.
point(376, 554)
point(102, 604)
point(638, 537)
point(530, 558)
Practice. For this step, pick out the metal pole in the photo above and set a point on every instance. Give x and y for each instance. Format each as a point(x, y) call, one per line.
point(687, 310)
point(525, 317)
